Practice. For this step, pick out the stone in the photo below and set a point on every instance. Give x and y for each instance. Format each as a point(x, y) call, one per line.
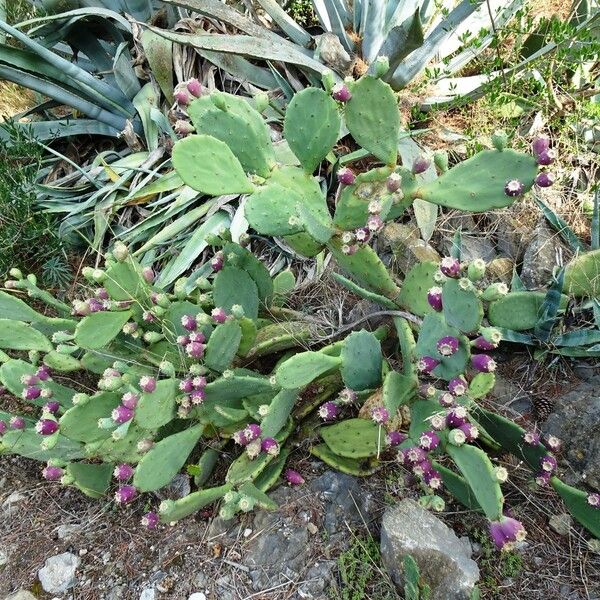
point(473, 246)
point(316, 581)
point(197, 596)
point(444, 561)
point(58, 573)
point(511, 395)
point(3, 556)
point(540, 258)
point(406, 244)
point(67, 531)
point(148, 594)
point(512, 236)
point(330, 50)
point(21, 595)
point(178, 488)
point(500, 269)
point(561, 524)
point(575, 420)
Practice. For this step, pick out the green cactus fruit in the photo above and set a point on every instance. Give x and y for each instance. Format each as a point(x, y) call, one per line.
point(417, 283)
point(62, 362)
point(366, 294)
point(304, 368)
point(478, 471)
point(16, 335)
point(366, 267)
point(268, 478)
point(223, 345)
point(361, 361)
point(244, 259)
point(477, 184)
point(205, 466)
point(481, 385)
point(236, 387)
point(157, 408)
point(241, 127)
point(576, 501)
point(260, 498)
point(434, 328)
point(93, 480)
point(354, 438)
point(519, 311)
point(398, 390)
point(458, 487)
point(99, 329)
point(81, 421)
point(209, 166)
point(234, 286)
point(582, 275)
point(311, 126)
point(244, 469)
point(373, 118)
point(462, 307)
point(280, 336)
point(280, 409)
point(273, 210)
point(26, 442)
point(173, 510)
point(350, 466)
point(158, 466)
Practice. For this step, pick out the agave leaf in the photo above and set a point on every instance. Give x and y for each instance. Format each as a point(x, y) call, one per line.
point(373, 32)
point(402, 40)
point(287, 24)
point(595, 233)
point(159, 53)
point(560, 225)
point(50, 130)
point(95, 11)
point(549, 309)
point(243, 69)
point(334, 17)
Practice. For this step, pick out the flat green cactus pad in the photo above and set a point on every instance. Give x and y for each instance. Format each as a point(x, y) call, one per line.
point(418, 281)
point(361, 361)
point(398, 389)
point(157, 408)
point(481, 385)
point(223, 345)
point(118, 451)
point(235, 286)
point(243, 469)
point(244, 259)
point(518, 311)
point(462, 308)
point(16, 335)
point(273, 210)
point(354, 438)
point(582, 275)
point(420, 411)
point(26, 443)
point(81, 421)
point(99, 329)
point(350, 466)
point(92, 479)
point(173, 510)
point(576, 501)
point(301, 369)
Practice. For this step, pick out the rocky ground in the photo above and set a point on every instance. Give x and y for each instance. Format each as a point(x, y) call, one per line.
point(324, 541)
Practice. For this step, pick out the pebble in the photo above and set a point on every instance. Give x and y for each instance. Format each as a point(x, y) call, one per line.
point(247, 532)
point(58, 573)
point(197, 596)
point(148, 594)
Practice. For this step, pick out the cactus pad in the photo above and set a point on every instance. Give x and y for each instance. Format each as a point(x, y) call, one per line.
point(304, 368)
point(350, 466)
point(93, 480)
point(417, 283)
point(157, 408)
point(462, 308)
point(16, 335)
point(99, 329)
point(582, 275)
point(81, 421)
point(273, 210)
point(518, 311)
point(354, 438)
point(361, 361)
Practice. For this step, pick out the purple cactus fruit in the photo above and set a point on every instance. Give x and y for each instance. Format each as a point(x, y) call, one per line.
point(102, 294)
point(194, 88)
point(363, 235)
point(148, 317)
point(513, 188)
point(546, 158)
point(147, 384)
point(447, 400)
point(3, 427)
point(347, 396)
point(182, 97)
point(415, 455)
point(438, 422)
point(433, 479)
point(150, 520)
point(148, 274)
point(195, 350)
point(346, 176)
point(457, 416)
point(531, 438)
point(17, 423)
point(420, 165)
point(329, 411)
point(43, 373)
point(130, 400)
point(31, 393)
point(341, 93)
point(506, 532)
point(293, 477)
point(199, 382)
point(548, 463)
point(427, 364)
point(380, 415)
point(434, 297)
point(218, 315)
point(52, 473)
point(540, 144)
point(426, 390)
point(471, 432)
point(593, 499)
point(252, 431)
point(374, 223)
point(429, 440)
point(422, 467)
point(544, 179)
point(197, 396)
point(349, 250)
point(482, 344)
point(46, 426)
point(239, 437)
point(96, 305)
point(402, 457)
point(52, 407)
point(483, 363)
point(543, 479)
point(457, 386)
point(197, 336)
point(121, 414)
point(270, 446)
point(393, 182)
point(448, 345)
point(183, 127)
point(395, 438)
point(218, 261)
point(186, 385)
point(30, 380)
point(123, 472)
point(183, 340)
point(553, 443)
point(125, 494)
point(450, 266)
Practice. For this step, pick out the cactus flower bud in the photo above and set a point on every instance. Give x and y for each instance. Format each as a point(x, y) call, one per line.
point(395, 438)
point(593, 499)
point(30, 380)
point(150, 520)
point(17, 423)
point(427, 364)
point(495, 291)
point(380, 415)
point(125, 494)
point(433, 479)
point(147, 384)
point(46, 426)
point(197, 396)
point(476, 269)
point(195, 350)
point(540, 144)
point(329, 411)
point(448, 345)
point(438, 422)
point(148, 274)
point(393, 182)
point(544, 179)
point(130, 400)
point(506, 532)
point(548, 463)
point(457, 416)
point(531, 438)
point(434, 297)
point(483, 363)
point(450, 266)
point(501, 474)
point(293, 477)
point(270, 446)
point(186, 385)
point(237, 311)
point(194, 87)
point(513, 188)
point(447, 400)
point(457, 437)
point(499, 140)
point(31, 393)
point(429, 440)
point(121, 414)
point(546, 158)
point(374, 223)
point(218, 315)
point(420, 165)
point(419, 469)
point(123, 472)
point(543, 479)
point(182, 340)
point(183, 127)
point(51, 473)
point(182, 97)
point(120, 251)
point(457, 386)
point(341, 93)
point(43, 373)
point(363, 235)
point(553, 443)
point(471, 432)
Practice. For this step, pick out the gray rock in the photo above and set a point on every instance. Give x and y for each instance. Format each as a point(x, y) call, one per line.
point(9, 505)
point(561, 523)
point(540, 257)
point(3, 556)
point(178, 488)
point(474, 246)
point(576, 421)
point(330, 50)
point(58, 573)
point(444, 560)
point(317, 580)
point(21, 595)
point(67, 531)
point(511, 395)
point(148, 594)
point(197, 596)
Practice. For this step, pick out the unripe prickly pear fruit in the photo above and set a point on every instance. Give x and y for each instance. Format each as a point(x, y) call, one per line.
point(476, 269)
point(261, 101)
point(148, 274)
point(427, 391)
point(495, 291)
point(194, 87)
point(218, 315)
point(341, 93)
point(440, 159)
point(120, 251)
point(471, 432)
point(483, 363)
point(393, 182)
point(121, 414)
point(130, 400)
point(147, 384)
point(499, 140)
point(31, 393)
point(381, 66)
point(457, 437)
point(17, 423)
point(16, 273)
point(328, 79)
point(420, 165)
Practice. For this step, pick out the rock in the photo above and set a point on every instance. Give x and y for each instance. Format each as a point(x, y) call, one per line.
point(201, 580)
point(197, 596)
point(330, 50)
point(58, 573)
point(576, 421)
point(3, 556)
point(473, 246)
point(444, 560)
point(540, 258)
point(9, 504)
point(512, 395)
point(148, 594)
point(512, 236)
point(317, 580)
point(21, 595)
point(561, 523)
point(408, 248)
point(67, 531)
point(500, 269)
point(178, 488)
